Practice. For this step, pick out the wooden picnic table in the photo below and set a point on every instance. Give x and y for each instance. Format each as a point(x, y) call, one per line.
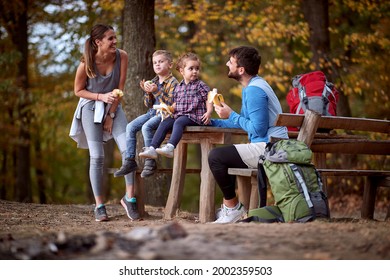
point(207, 137)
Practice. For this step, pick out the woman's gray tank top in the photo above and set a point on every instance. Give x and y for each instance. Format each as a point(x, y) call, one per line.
point(104, 84)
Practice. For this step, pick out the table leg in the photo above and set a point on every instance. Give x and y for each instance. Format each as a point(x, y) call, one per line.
point(320, 163)
point(369, 196)
point(207, 185)
point(254, 197)
point(177, 182)
point(140, 194)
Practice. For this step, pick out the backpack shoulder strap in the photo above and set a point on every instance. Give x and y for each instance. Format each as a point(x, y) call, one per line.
point(325, 99)
point(302, 183)
point(262, 185)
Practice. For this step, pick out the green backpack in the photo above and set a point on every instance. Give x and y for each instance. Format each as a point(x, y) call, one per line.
point(295, 184)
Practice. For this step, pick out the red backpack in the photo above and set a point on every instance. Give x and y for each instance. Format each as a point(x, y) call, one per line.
point(312, 91)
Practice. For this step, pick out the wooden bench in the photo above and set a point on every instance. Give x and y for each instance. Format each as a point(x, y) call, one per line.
point(334, 143)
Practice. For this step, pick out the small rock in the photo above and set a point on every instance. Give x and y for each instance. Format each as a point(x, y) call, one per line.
point(171, 231)
point(141, 234)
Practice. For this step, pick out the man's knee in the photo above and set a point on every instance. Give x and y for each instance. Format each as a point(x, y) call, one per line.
point(214, 156)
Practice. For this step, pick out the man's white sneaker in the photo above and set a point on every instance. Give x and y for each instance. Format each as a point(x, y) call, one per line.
point(148, 152)
point(231, 215)
point(166, 150)
point(218, 212)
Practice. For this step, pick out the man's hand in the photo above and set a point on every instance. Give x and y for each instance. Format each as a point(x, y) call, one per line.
point(223, 111)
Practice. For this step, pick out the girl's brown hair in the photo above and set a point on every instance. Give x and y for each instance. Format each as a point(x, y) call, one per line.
point(181, 61)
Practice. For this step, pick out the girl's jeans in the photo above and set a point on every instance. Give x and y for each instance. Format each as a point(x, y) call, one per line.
point(176, 125)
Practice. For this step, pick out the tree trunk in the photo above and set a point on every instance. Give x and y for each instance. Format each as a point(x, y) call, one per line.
point(316, 13)
point(139, 42)
point(39, 170)
point(19, 35)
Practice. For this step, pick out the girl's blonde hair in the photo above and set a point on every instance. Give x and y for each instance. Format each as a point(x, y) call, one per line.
point(90, 48)
point(181, 61)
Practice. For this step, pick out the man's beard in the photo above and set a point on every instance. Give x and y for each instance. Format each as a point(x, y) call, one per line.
point(234, 75)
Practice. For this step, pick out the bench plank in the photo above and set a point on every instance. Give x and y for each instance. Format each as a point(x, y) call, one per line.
point(331, 122)
point(351, 146)
point(248, 172)
point(345, 172)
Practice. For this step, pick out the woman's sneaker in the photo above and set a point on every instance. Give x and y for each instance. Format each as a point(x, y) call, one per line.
point(131, 208)
point(231, 215)
point(101, 214)
point(148, 152)
point(166, 150)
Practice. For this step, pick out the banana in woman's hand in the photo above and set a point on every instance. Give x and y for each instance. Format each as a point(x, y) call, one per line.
point(117, 92)
point(215, 97)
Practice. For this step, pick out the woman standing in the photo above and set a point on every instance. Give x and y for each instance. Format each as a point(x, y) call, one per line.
point(99, 115)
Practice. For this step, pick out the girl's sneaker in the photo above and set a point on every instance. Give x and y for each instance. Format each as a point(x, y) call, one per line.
point(166, 150)
point(148, 152)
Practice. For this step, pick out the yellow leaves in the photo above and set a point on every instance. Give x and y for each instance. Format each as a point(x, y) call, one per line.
point(312, 67)
point(364, 6)
point(112, 5)
point(279, 30)
point(357, 90)
point(337, 62)
point(281, 87)
point(236, 91)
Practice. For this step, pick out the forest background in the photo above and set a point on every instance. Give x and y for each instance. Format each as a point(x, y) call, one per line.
point(41, 43)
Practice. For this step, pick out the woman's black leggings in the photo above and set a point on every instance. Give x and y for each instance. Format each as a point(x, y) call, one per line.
point(220, 159)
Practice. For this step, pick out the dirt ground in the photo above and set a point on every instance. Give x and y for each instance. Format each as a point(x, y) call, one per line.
point(35, 231)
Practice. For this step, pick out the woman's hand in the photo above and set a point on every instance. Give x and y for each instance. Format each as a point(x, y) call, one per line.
point(108, 123)
point(108, 98)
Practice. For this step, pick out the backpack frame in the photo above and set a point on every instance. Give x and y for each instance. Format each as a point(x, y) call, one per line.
point(312, 91)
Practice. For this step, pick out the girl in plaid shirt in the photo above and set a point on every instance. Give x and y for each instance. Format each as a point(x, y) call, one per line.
point(190, 108)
